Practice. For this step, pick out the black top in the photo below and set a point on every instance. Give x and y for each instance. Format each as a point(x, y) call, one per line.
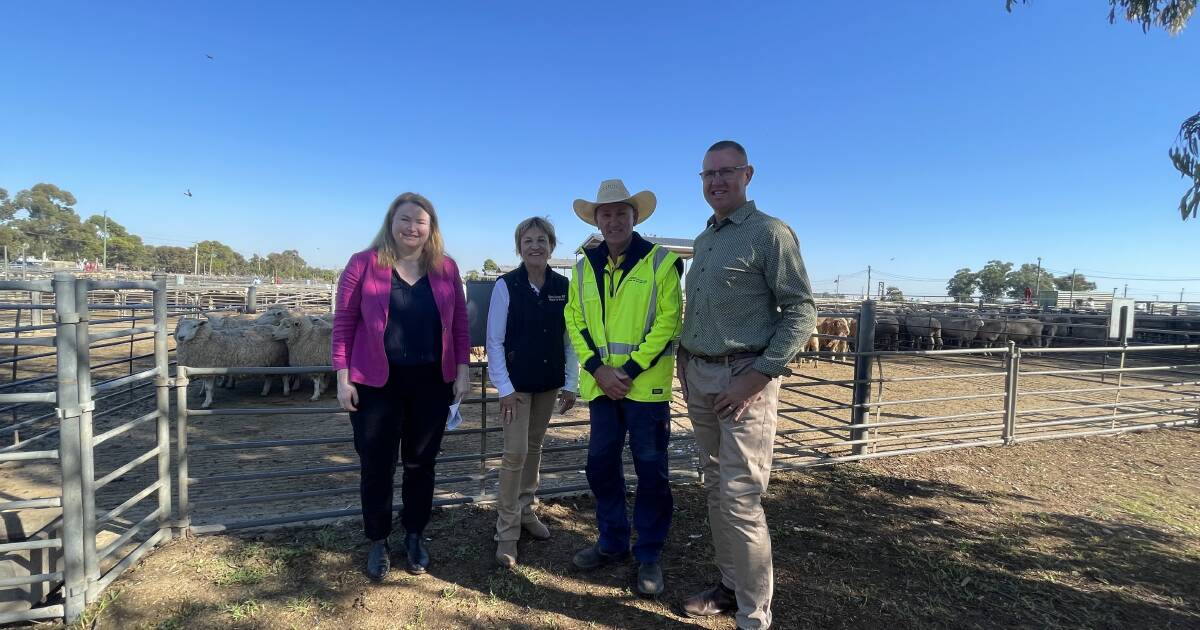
point(533, 336)
point(414, 329)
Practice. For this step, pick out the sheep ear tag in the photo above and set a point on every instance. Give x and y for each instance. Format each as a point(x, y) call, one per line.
point(454, 418)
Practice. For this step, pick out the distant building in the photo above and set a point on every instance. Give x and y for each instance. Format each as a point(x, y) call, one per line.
point(1075, 299)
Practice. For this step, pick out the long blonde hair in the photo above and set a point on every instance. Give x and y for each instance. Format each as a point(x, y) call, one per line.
point(384, 243)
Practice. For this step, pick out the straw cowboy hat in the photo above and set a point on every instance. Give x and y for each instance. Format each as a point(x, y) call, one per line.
point(614, 191)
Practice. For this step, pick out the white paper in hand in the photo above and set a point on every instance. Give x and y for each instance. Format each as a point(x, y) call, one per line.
point(454, 418)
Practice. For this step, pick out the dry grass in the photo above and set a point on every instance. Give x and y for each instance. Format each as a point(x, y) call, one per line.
point(1096, 533)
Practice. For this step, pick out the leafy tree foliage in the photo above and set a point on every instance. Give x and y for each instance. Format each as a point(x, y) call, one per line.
point(993, 278)
point(1063, 283)
point(962, 285)
point(43, 219)
point(1027, 276)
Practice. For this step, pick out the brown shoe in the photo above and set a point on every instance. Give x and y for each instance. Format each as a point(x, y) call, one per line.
point(506, 553)
point(535, 528)
point(718, 600)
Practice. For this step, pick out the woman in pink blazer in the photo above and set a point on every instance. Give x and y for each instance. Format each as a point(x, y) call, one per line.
point(400, 348)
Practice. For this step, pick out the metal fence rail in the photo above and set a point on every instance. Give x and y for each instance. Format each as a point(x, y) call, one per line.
point(105, 428)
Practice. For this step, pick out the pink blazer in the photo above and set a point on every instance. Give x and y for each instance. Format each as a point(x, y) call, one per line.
point(363, 299)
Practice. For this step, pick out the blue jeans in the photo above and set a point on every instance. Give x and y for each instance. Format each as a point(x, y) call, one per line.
point(649, 429)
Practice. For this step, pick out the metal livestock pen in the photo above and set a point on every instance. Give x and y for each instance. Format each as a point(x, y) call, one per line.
point(252, 462)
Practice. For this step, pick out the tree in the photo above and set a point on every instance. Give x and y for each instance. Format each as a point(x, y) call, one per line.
point(1081, 283)
point(220, 259)
point(1172, 16)
point(490, 266)
point(992, 279)
point(172, 259)
point(1185, 156)
point(50, 224)
point(124, 249)
point(286, 263)
point(1027, 276)
point(894, 294)
point(962, 285)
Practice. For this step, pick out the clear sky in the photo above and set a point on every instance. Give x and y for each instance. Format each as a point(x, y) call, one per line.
point(916, 138)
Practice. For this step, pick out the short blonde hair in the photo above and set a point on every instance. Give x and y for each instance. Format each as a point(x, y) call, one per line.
point(541, 223)
point(384, 242)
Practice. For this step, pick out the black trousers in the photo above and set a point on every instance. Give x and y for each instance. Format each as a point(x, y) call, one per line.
point(408, 415)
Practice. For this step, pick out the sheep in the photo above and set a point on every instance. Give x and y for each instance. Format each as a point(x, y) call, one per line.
point(922, 327)
point(963, 330)
point(198, 344)
point(308, 343)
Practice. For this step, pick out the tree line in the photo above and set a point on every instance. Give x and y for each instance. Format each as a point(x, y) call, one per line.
point(998, 278)
point(41, 221)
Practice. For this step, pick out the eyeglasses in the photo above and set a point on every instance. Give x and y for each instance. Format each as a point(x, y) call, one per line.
point(725, 173)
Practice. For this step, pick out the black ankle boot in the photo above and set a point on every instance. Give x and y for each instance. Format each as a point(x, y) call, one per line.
point(379, 560)
point(418, 558)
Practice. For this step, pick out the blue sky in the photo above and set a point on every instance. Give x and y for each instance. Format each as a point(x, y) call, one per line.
point(914, 138)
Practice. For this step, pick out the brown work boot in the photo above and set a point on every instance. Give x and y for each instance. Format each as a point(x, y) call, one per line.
point(506, 553)
point(718, 600)
point(535, 528)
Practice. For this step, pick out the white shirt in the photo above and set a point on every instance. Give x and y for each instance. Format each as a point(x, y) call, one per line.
point(497, 324)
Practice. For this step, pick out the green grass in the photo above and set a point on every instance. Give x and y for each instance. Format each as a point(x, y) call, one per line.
point(240, 611)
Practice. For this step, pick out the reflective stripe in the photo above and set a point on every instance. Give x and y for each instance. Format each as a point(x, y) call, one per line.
point(621, 348)
point(613, 347)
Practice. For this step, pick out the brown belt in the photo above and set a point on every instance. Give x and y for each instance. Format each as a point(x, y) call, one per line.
point(726, 358)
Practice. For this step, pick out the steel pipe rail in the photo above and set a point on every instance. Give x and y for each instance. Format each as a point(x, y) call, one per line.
point(19, 456)
point(31, 504)
point(1089, 390)
point(25, 580)
point(120, 332)
point(40, 286)
point(28, 397)
point(116, 512)
point(116, 474)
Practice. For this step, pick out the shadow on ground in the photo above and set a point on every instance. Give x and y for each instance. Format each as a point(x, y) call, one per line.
point(854, 548)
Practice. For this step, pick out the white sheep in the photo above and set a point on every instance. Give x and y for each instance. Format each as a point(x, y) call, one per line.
point(198, 344)
point(308, 343)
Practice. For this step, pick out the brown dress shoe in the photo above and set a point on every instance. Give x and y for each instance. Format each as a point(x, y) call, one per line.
point(535, 528)
point(506, 553)
point(718, 600)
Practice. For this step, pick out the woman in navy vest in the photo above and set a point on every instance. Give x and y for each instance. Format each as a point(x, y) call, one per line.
point(530, 359)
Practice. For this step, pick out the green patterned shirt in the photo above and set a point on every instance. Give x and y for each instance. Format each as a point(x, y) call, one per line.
point(747, 291)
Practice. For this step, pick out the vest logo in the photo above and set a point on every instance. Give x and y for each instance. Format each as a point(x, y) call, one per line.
point(636, 280)
point(556, 298)
point(656, 391)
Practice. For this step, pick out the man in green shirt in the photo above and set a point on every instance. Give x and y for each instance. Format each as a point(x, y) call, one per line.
point(749, 310)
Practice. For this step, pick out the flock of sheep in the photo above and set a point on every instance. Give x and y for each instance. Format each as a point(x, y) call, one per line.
point(932, 329)
point(278, 337)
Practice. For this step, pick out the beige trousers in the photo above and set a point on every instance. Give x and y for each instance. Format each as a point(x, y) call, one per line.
point(735, 458)
point(522, 459)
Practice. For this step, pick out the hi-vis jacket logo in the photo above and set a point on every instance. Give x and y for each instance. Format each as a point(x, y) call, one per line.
point(556, 298)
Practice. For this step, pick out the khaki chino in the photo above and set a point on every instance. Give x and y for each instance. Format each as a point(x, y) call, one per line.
point(522, 459)
point(735, 459)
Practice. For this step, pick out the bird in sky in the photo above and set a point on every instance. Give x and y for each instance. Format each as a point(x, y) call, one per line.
point(189, 192)
point(210, 57)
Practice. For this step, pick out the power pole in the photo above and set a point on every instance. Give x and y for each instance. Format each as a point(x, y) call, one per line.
point(868, 282)
point(836, 288)
point(1072, 288)
point(1126, 293)
point(196, 263)
point(105, 263)
point(1038, 283)
point(1181, 295)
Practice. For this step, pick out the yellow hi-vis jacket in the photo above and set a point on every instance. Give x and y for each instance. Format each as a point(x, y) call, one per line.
point(629, 318)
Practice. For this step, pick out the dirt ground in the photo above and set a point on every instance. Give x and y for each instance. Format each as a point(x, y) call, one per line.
point(1097, 533)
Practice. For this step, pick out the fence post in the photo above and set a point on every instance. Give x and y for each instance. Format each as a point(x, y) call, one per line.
point(251, 299)
point(483, 436)
point(864, 343)
point(35, 313)
point(184, 521)
point(162, 389)
point(1012, 367)
point(74, 577)
point(87, 467)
